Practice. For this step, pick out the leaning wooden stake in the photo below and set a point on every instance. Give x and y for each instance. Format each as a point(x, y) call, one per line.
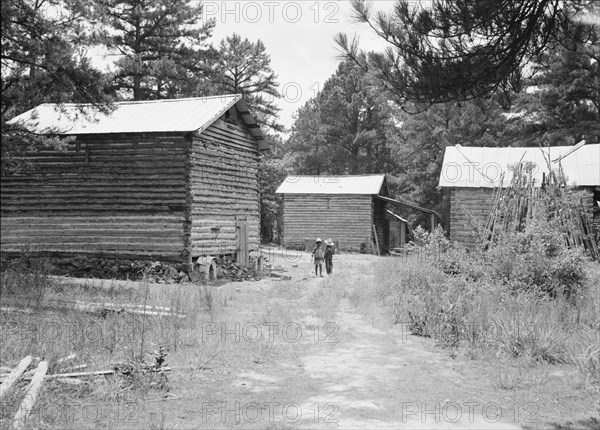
point(376, 240)
point(14, 375)
point(31, 396)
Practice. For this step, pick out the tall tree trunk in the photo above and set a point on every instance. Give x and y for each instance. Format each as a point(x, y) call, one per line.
point(355, 162)
point(137, 83)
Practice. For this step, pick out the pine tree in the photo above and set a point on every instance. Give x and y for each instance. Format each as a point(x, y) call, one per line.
point(244, 67)
point(43, 61)
point(463, 49)
point(43, 56)
point(162, 44)
point(343, 129)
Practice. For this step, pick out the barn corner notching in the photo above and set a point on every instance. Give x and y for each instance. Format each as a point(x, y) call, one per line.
point(170, 180)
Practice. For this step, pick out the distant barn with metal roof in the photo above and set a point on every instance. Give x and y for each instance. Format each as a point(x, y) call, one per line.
point(345, 208)
point(168, 180)
point(358, 184)
point(471, 173)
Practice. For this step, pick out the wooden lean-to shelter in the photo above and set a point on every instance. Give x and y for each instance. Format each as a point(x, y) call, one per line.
point(171, 180)
point(350, 209)
point(397, 228)
point(471, 174)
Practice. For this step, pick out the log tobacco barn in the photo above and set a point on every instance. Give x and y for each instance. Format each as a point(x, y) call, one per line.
point(350, 209)
point(472, 173)
point(170, 180)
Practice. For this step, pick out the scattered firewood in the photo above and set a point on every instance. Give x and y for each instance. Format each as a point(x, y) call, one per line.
point(22, 414)
point(67, 358)
point(15, 375)
point(102, 308)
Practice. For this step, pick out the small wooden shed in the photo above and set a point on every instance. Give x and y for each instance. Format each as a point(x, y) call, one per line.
point(345, 208)
point(471, 174)
point(170, 180)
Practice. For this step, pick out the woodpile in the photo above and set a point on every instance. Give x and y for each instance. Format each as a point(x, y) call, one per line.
point(229, 269)
point(83, 266)
point(516, 206)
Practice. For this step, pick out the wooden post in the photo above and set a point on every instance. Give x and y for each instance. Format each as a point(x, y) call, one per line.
point(402, 234)
point(432, 222)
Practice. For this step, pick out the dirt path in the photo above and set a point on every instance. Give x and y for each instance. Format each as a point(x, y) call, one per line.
point(377, 380)
point(327, 364)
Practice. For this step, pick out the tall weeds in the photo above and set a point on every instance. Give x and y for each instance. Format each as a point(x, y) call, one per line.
point(515, 301)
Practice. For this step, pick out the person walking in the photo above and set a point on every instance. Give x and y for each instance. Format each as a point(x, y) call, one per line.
point(318, 254)
point(329, 251)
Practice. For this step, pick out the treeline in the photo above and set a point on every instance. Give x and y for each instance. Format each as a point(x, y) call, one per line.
point(153, 49)
point(459, 72)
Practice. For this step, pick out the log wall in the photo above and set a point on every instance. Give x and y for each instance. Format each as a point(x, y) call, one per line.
point(469, 208)
point(344, 218)
point(224, 186)
point(119, 195)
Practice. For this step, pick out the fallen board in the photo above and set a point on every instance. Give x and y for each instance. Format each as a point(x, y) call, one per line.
point(22, 414)
point(14, 375)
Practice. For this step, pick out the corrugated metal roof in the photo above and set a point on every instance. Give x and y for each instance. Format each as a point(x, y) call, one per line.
point(476, 167)
point(154, 116)
point(362, 184)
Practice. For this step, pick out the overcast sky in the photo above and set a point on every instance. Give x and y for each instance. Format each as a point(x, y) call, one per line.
point(299, 37)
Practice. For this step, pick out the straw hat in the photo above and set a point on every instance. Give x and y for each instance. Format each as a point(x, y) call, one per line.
point(329, 242)
point(318, 240)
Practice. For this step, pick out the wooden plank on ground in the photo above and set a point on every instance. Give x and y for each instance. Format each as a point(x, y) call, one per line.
point(22, 414)
point(14, 375)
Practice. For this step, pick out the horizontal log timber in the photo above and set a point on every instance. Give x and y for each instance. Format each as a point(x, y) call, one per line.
point(87, 218)
point(133, 208)
point(223, 169)
point(102, 150)
point(104, 232)
point(86, 199)
point(94, 159)
point(220, 132)
point(86, 180)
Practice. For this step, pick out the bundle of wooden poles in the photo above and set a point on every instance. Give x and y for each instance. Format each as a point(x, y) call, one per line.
point(514, 207)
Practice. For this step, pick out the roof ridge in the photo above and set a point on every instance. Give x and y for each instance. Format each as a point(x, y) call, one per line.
point(124, 102)
point(338, 176)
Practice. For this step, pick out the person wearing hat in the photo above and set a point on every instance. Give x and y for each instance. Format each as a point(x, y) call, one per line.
point(329, 250)
point(318, 255)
